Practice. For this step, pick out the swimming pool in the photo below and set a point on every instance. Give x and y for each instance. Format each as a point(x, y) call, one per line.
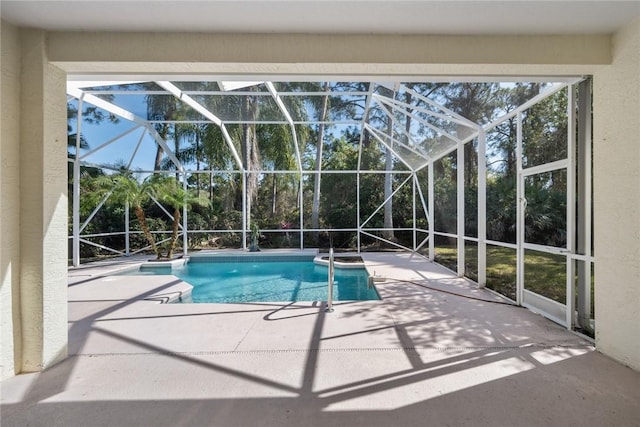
point(267, 279)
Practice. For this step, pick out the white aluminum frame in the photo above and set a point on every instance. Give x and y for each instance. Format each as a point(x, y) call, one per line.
point(399, 137)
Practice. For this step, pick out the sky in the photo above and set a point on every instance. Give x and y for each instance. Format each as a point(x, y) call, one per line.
point(122, 149)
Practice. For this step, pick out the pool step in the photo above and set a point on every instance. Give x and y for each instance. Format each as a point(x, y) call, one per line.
point(345, 265)
point(174, 263)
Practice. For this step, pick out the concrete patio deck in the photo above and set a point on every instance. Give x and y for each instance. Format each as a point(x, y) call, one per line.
point(418, 357)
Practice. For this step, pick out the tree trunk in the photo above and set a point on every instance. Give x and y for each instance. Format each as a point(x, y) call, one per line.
point(157, 164)
point(158, 161)
point(249, 150)
point(198, 164)
point(176, 141)
point(274, 195)
point(145, 230)
point(211, 186)
point(388, 184)
point(174, 232)
point(471, 164)
point(407, 127)
point(315, 209)
point(511, 151)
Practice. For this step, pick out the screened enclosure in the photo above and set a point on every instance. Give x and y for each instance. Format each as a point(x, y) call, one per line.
point(490, 179)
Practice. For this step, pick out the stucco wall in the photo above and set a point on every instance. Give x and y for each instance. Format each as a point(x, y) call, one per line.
point(43, 205)
point(198, 48)
point(10, 202)
point(617, 200)
point(287, 56)
point(33, 219)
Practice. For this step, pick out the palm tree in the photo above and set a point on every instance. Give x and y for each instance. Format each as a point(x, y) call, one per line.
point(123, 189)
point(249, 147)
point(276, 148)
point(163, 108)
point(72, 114)
point(208, 149)
point(169, 191)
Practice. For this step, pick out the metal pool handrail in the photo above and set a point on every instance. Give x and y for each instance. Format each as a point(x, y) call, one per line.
point(329, 308)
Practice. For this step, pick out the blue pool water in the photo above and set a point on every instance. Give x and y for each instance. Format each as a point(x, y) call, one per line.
point(269, 281)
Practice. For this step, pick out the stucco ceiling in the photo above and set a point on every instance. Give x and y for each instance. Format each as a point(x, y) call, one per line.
point(325, 16)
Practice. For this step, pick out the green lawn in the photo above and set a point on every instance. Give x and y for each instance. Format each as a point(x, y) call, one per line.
point(545, 274)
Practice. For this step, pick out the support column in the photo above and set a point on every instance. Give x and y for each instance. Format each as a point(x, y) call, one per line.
point(414, 239)
point(482, 209)
point(616, 195)
point(584, 205)
point(460, 209)
point(571, 206)
point(358, 203)
point(10, 328)
point(431, 206)
point(520, 212)
point(43, 210)
point(127, 240)
point(76, 191)
point(301, 204)
point(185, 213)
point(245, 211)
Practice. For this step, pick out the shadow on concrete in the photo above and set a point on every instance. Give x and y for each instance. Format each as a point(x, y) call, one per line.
point(413, 359)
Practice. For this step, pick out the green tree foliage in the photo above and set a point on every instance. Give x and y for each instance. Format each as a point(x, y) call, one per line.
point(124, 189)
point(544, 140)
point(339, 191)
point(331, 199)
